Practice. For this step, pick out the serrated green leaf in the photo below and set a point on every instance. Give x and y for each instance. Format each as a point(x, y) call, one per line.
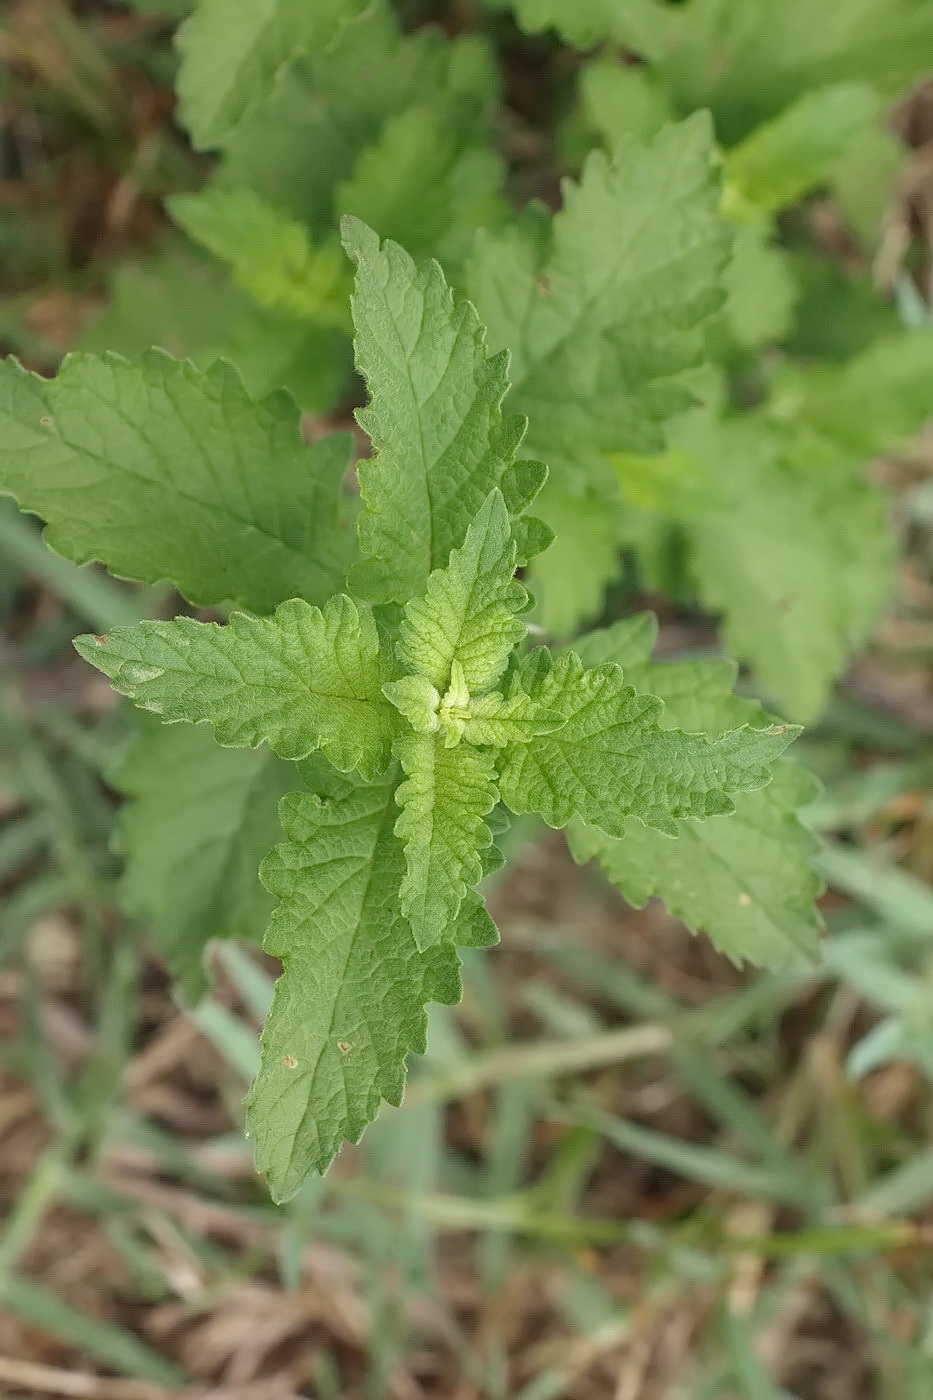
point(468, 611)
point(201, 819)
point(161, 471)
point(612, 760)
point(350, 1004)
point(747, 879)
point(445, 799)
point(497, 721)
point(301, 680)
point(761, 292)
point(603, 309)
point(231, 51)
point(270, 254)
point(434, 418)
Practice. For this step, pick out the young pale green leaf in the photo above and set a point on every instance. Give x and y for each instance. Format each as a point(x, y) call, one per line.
point(162, 471)
point(350, 1004)
point(301, 680)
point(497, 721)
point(435, 419)
point(468, 611)
point(488, 719)
point(201, 819)
point(231, 51)
point(747, 879)
point(445, 799)
point(270, 254)
point(611, 760)
point(603, 309)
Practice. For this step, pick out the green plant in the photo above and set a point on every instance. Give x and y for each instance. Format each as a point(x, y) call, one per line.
point(638, 323)
point(414, 684)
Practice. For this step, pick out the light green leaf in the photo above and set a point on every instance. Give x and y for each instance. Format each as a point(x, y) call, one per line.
point(271, 255)
point(634, 24)
point(780, 161)
point(161, 471)
point(445, 799)
point(604, 308)
point(775, 553)
point(612, 760)
point(570, 578)
point(201, 819)
point(176, 300)
point(350, 1004)
point(468, 612)
point(748, 61)
point(296, 146)
point(301, 680)
point(232, 50)
point(497, 721)
point(435, 420)
point(747, 879)
point(619, 100)
point(425, 187)
point(761, 291)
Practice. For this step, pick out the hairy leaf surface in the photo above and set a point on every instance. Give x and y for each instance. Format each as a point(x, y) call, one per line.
point(304, 679)
point(604, 307)
point(611, 760)
point(350, 1004)
point(445, 799)
point(748, 879)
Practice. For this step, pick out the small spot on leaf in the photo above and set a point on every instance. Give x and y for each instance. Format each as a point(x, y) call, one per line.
point(101, 641)
point(344, 1045)
point(745, 900)
point(289, 1062)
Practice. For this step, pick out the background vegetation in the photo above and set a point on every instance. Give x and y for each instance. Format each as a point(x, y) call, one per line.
point(625, 1169)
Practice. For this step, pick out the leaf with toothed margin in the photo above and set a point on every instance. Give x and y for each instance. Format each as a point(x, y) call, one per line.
point(435, 420)
point(301, 680)
point(161, 471)
point(445, 800)
point(748, 880)
point(612, 760)
point(350, 1003)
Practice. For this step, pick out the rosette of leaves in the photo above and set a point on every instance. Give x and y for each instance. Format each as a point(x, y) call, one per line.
point(393, 678)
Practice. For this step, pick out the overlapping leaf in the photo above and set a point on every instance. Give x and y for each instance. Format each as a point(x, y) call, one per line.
point(748, 880)
point(200, 820)
point(447, 795)
point(302, 680)
point(435, 419)
point(612, 760)
point(602, 309)
point(232, 50)
point(350, 1004)
point(161, 471)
